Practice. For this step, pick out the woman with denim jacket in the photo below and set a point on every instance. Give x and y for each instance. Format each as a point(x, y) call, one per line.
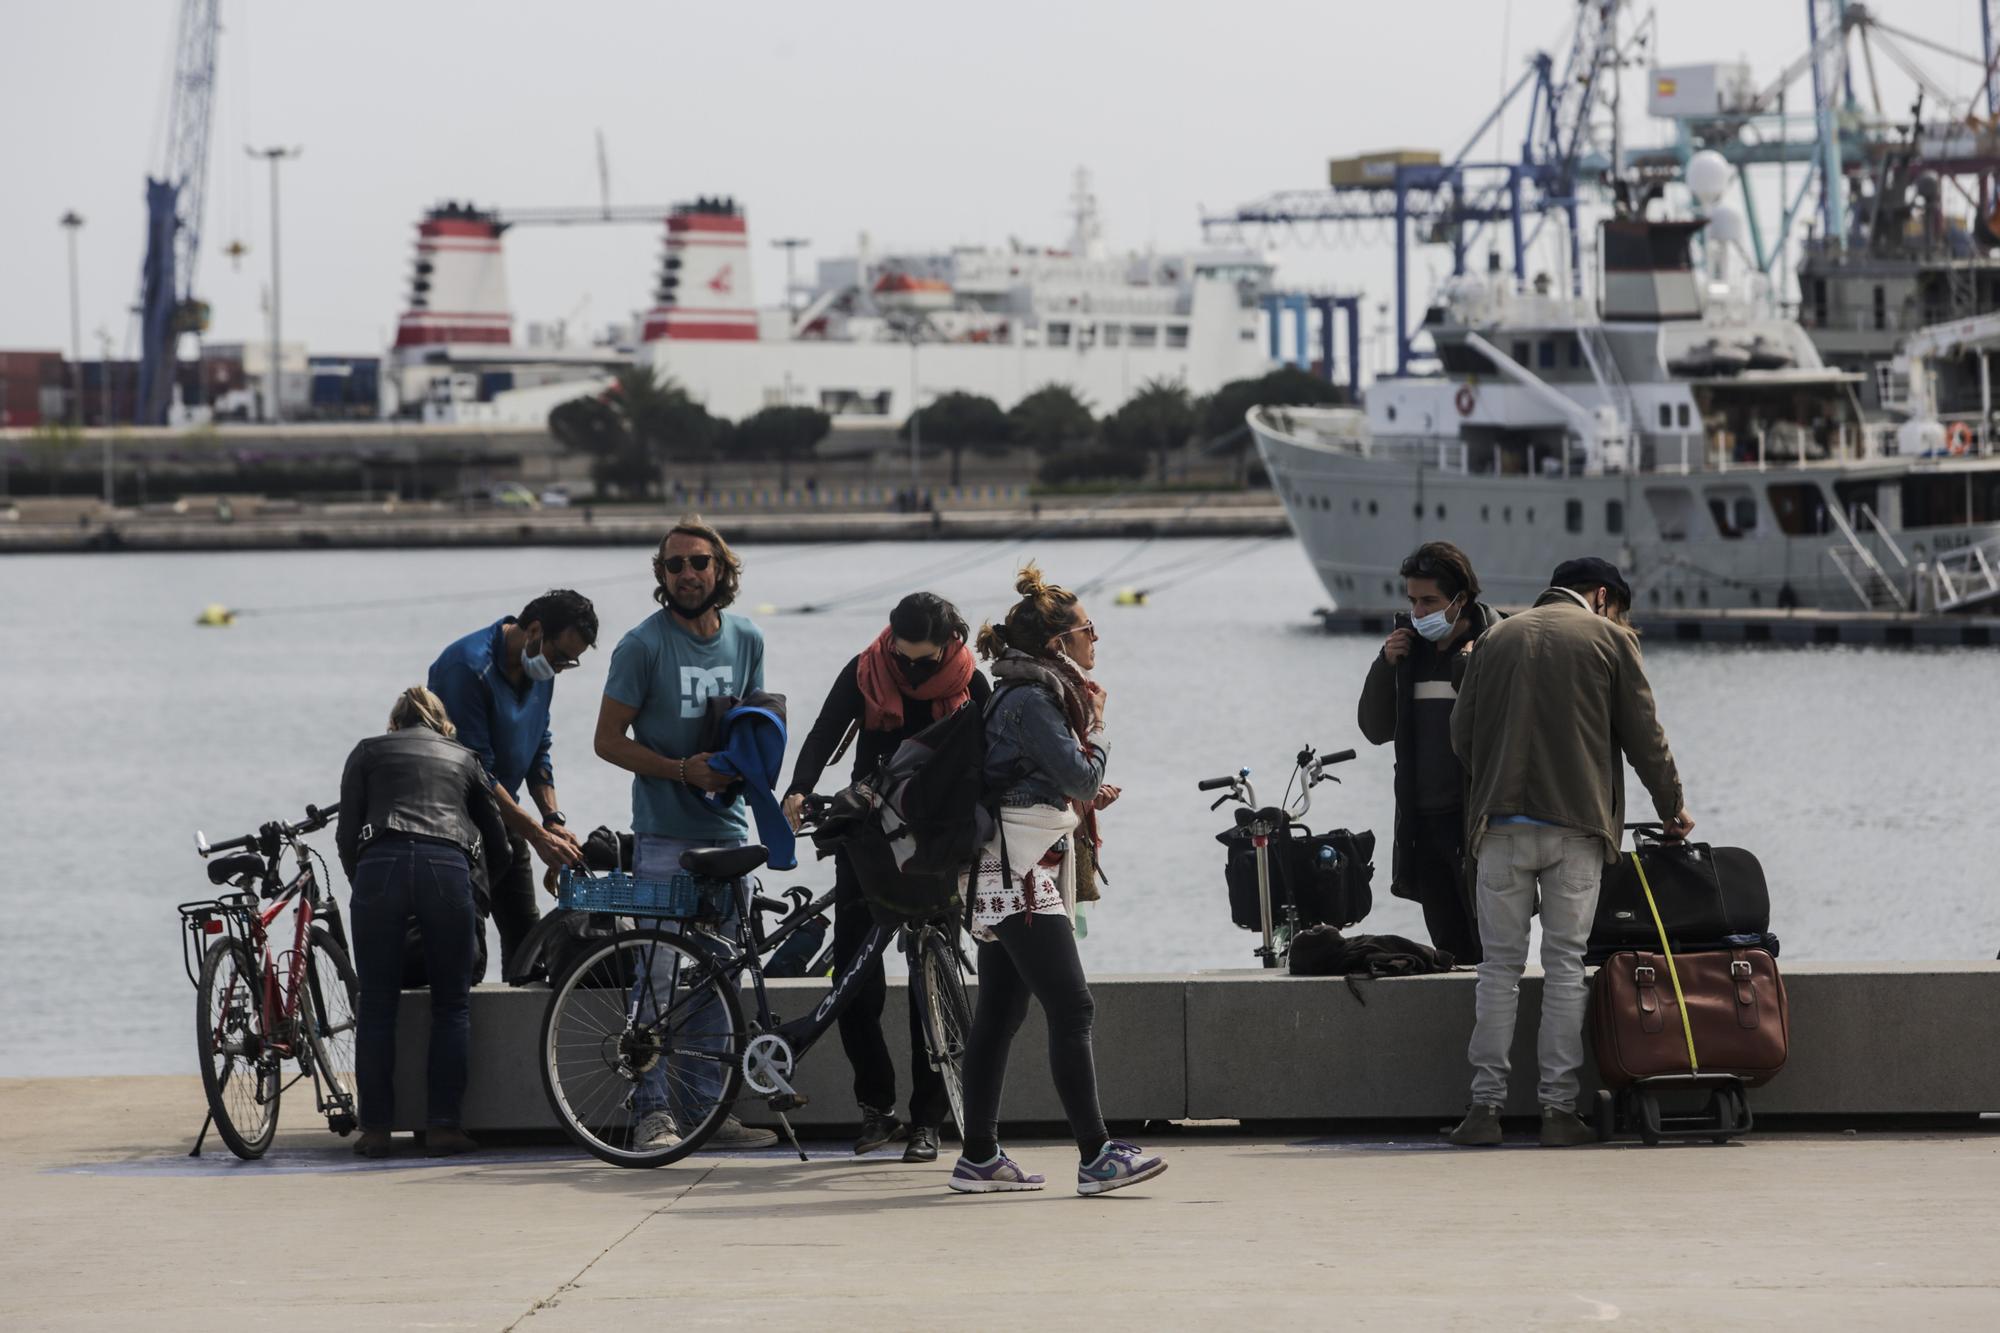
point(1046, 756)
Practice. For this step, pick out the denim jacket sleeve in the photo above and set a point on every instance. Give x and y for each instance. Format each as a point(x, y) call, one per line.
point(1035, 724)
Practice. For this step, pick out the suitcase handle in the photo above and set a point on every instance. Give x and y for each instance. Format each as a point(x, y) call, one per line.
point(1652, 833)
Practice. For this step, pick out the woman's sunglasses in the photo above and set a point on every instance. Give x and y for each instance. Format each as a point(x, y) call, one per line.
point(674, 564)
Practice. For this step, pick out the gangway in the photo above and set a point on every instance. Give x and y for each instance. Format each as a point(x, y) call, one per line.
point(1966, 577)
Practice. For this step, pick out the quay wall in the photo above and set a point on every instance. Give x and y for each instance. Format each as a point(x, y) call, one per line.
point(1867, 1039)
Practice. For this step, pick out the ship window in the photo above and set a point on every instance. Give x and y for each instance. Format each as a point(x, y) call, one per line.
point(1801, 509)
point(1672, 508)
point(1545, 354)
point(1177, 335)
point(1058, 335)
point(1681, 415)
point(1507, 513)
point(1573, 515)
point(1666, 417)
point(1113, 334)
point(1419, 507)
point(1458, 359)
point(1440, 513)
point(1371, 508)
point(1575, 353)
point(1485, 513)
point(1530, 516)
point(1521, 352)
point(1145, 335)
point(1734, 510)
point(1881, 307)
point(1614, 516)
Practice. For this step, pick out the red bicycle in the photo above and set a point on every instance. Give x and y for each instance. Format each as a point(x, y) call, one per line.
point(256, 1009)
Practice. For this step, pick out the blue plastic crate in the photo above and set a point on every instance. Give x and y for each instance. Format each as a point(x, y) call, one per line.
point(680, 897)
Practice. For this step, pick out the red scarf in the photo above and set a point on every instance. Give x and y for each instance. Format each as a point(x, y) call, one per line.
point(884, 686)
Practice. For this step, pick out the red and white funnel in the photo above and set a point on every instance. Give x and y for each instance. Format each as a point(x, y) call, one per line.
point(704, 290)
point(458, 286)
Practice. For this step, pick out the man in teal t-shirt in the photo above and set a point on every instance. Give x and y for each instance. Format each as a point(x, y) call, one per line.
point(663, 673)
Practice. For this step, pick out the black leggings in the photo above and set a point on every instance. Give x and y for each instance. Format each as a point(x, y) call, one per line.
point(1038, 959)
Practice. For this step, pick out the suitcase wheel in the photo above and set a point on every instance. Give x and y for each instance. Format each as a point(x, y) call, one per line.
point(1605, 1121)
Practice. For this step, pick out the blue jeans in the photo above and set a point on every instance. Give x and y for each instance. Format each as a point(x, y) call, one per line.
point(394, 881)
point(697, 1084)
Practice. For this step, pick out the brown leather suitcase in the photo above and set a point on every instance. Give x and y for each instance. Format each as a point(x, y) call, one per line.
point(1738, 1020)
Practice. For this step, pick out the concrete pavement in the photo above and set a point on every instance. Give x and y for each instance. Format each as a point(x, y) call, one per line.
point(108, 1224)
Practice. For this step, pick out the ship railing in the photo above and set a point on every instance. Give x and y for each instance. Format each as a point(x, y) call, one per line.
point(1439, 455)
point(1970, 574)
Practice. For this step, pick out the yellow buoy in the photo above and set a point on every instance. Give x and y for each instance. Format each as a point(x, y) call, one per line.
point(1131, 597)
point(767, 608)
point(215, 614)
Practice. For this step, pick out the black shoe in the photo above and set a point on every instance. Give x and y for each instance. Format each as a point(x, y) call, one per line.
point(447, 1142)
point(373, 1143)
point(923, 1144)
point(877, 1128)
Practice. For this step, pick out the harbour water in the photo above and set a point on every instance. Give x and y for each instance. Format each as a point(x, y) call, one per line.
point(1861, 777)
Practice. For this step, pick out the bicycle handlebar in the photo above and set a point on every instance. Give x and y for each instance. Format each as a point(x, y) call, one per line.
point(1340, 758)
point(317, 818)
point(1212, 784)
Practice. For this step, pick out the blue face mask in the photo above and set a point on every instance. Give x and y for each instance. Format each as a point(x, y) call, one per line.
point(537, 666)
point(1436, 626)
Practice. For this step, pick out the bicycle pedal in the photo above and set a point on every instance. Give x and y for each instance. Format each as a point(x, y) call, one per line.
point(787, 1101)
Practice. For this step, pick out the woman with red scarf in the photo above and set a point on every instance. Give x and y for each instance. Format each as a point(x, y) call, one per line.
point(917, 671)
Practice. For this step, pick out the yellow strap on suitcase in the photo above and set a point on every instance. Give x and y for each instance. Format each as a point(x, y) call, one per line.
point(1680, 1000)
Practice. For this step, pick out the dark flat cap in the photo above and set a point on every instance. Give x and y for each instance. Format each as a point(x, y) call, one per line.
point(1591, 570)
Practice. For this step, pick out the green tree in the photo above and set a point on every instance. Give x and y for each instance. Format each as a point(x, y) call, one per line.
point(1156, 421)
point(1052, 420)
point(783, 433)
point(955, 422)
point(1223, 428)
point(672, 430)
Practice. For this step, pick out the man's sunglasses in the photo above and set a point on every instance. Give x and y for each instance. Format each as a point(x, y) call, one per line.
point(674, 564)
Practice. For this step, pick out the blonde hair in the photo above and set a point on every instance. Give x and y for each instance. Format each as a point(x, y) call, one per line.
point(1046, 611)
point(418, 707)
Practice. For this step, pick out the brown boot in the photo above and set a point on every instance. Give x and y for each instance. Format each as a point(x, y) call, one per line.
point(373, 1143)
point(447, 1142)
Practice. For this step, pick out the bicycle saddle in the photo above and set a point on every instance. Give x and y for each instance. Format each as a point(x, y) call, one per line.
point(229, 867)
point(723, 862)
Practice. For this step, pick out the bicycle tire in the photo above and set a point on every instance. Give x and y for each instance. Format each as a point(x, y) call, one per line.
point(947, 1015)
point(593, 1057)
point(328, 1015)
point(239, 1073)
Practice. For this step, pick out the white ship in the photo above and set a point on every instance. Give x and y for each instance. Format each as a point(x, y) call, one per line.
point(877, 332)
point(1675, 424)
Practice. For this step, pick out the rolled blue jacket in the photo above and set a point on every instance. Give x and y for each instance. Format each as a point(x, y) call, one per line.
point(753, 749)
point(1032, 757)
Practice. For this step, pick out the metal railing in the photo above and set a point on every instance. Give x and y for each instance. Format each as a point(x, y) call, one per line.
point(1858, 565)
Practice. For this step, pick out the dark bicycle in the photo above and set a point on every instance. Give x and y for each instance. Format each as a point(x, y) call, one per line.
point(256, 1009)
point(658, 1006)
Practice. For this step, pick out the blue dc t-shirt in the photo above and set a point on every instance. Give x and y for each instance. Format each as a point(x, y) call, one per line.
point(669, 675)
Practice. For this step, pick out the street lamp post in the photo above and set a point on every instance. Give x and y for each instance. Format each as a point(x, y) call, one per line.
point(274, 405)
point(72, 222)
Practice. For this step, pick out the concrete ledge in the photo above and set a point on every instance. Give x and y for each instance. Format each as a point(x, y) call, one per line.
point(1867, 1039)
point(1141, 1046)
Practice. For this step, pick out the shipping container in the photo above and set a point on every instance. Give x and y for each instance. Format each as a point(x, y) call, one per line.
point(1377, 170)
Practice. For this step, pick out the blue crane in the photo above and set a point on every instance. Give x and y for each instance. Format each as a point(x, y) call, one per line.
point(1564, 149)
point(167, 305)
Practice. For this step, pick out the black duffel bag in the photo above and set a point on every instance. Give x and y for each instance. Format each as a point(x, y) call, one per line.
point(1708, 896)
point(1327, 875)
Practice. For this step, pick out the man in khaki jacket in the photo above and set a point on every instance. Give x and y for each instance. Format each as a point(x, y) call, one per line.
point(1550, 700)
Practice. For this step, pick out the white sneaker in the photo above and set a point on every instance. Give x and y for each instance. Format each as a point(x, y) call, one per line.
point(657, 1130)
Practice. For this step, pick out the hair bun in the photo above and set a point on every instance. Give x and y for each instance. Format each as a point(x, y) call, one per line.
point(1030, 583)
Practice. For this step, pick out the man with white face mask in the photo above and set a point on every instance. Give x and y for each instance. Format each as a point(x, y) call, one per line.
point(1547, 705)
point(497, 684)
point(1407, 699)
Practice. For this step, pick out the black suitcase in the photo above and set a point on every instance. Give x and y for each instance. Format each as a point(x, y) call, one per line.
point(1708, 898)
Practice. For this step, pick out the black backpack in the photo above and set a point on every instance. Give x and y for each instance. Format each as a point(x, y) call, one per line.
point(912, 828)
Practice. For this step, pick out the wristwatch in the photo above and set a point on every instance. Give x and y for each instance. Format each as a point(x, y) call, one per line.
point(555, 818)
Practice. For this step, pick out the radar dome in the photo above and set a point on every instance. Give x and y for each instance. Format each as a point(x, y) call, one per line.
point(1726, 227)
point(1708, 176)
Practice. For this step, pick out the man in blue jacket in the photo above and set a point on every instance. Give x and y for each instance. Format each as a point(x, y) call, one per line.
point(663, 673)
point(497, 684)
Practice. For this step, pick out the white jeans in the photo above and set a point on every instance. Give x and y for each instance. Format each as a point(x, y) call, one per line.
point(1567, 864)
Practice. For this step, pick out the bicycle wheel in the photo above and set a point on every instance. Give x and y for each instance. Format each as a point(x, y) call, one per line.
point(326, 1013)
point(947, 1015)
point(239, 1071)
point(642, 1022)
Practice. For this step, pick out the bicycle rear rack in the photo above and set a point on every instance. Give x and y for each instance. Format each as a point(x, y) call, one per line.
point(226, 915)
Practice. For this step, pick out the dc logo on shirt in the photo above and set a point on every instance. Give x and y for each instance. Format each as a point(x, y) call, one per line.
point(700, 684)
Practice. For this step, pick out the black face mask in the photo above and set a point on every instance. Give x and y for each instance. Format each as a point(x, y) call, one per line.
point(917, 672)
point(698, 611)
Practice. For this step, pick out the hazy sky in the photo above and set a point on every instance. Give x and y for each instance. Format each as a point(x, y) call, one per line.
point(924, 124)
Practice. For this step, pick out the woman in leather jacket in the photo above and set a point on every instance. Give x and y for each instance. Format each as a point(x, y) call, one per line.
point(417, 815)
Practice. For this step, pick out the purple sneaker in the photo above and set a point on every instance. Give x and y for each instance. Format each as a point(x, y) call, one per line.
point(1116, 1165)
point(1002, 1173)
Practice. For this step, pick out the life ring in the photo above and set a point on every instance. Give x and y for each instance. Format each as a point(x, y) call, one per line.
point(1958, 438)
point(1464, 400)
